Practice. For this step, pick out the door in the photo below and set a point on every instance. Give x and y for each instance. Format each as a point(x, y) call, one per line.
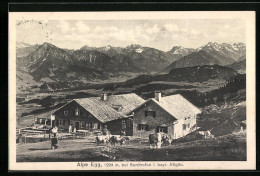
point(77, 125)
point(53, 123)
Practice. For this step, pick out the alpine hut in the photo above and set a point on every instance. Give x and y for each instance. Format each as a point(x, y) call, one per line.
point(173, 115)
point(95, 113)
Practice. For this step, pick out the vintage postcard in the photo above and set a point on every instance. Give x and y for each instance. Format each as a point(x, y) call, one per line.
point(132, 90)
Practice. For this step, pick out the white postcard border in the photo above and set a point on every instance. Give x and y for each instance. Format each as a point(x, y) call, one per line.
point(249, 16)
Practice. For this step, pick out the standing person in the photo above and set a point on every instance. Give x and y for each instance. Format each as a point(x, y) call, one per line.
point(54, 130)
point(159, 140)
point(70, 129)
point(54, 139)
point(50, 133)
point(122, 133)
point(105, 131)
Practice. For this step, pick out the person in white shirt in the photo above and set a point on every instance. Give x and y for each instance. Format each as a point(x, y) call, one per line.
point(159, 140)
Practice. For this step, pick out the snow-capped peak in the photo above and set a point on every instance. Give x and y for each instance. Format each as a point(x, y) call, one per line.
point(139, 50)
point(107, 48)
point(22, 45)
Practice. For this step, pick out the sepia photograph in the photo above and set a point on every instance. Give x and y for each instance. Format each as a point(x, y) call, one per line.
point(131, 90)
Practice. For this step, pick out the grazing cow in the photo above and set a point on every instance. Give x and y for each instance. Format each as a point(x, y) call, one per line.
point(114, 139)
point(158, 139)
point(166, 138)
point(206, 134)
point(102, 139)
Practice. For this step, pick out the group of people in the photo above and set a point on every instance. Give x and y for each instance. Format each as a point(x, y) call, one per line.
point(72, 129)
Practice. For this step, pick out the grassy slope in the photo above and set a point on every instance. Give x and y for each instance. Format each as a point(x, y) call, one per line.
point(224, 119)
point(225, 148)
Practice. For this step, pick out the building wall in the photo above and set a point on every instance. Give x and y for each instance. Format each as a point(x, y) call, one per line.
point(175, 131)
point(116, 126)
point(84, 116)
point(179, 131)
point(162, 117)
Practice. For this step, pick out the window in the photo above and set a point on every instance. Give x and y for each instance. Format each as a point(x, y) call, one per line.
point(90, 126)
point(77, 111)
point(95, 126)
point(184, 126)
point(150, 113)
point(118, 107)
point(162, 129)
point(66, 112)
point(82, 124)
point(143, 127)
point(99, 126)
point(67, 122)
point(129, 122)
point(60, 122)
point(64, 122)
point(48, 122)
point(87, 125)
point(123, 124)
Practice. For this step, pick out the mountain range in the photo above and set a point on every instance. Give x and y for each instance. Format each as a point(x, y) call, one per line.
point(49, 63)
point(213, 53)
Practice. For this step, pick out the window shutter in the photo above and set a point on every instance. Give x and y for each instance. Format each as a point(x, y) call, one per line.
point(154, 114)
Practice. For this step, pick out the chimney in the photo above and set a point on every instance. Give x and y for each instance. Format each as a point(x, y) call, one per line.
point(157, 96)
point(104, 96)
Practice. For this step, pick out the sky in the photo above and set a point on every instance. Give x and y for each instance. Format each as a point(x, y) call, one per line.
point(160, 34)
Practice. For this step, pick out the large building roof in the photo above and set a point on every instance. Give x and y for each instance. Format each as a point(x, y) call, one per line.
point(107, 110)
point(177, 106)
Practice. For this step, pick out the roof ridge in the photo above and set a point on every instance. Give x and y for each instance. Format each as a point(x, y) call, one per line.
point(171, 95)
point(109, 96)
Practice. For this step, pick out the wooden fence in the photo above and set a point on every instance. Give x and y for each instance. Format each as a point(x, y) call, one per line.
point(28, 135)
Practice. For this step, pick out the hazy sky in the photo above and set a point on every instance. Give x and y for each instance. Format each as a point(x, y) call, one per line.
point(161, 34)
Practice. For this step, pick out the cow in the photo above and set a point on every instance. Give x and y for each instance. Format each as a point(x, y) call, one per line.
point(114, 139)
point(157, 139)
point(206, 134)
point(102, 139)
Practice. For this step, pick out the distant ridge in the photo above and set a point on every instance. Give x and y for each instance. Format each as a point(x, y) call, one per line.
point(49, 62)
